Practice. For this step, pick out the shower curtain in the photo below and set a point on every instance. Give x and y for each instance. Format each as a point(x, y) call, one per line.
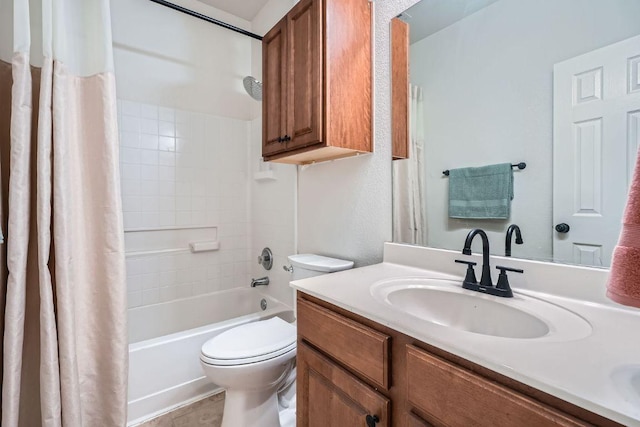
point(62, 280)
point(409, 197)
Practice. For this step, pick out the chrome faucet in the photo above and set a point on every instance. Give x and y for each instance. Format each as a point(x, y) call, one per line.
point(502, 289)
point(507, 243)
point(263, 281)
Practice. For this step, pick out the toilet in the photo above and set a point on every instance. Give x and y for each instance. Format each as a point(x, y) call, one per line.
point(255, 361)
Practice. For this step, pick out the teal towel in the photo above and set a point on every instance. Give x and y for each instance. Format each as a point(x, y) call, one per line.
point(481, 193)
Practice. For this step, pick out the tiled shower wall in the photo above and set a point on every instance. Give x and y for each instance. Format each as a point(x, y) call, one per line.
point(182, 170)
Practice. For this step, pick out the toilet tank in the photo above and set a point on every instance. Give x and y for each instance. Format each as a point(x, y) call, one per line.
point(310, 265)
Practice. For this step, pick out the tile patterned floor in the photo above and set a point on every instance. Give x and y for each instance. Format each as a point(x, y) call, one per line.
point(203, 413)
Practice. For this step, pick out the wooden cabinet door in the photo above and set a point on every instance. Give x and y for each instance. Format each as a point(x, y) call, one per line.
point(274, 85)
point(305, 95)
point(327, 395)
point(399, 89)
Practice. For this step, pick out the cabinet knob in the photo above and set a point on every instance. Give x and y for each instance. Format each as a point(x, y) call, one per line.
point(279, 139)
point(286, 138)
point(372, 420)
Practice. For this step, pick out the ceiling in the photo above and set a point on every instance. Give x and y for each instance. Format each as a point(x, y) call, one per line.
point(430, 16)
point(245, 9)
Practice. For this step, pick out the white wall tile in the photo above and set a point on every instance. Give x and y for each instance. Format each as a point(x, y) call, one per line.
point(149, 188)
point(129, 155)
point(198, 218)
point(183, 169)
point(134, 283)
point(166, 158)
point(130, 124)
point(183, 218)
point(167, 204)
point(149, 126)
point(198, 203)
point(129, 139)
point(148, 142)
point(149, 172)
point(149, 204)
point(166, 219)
point(168, 293)
point(131, 204)
point(183, 203)
point(149, 111)
point(134, 299)
point(134, 266)
point(132, 220)
point(148, 157)
point(149, 219)
point(166, 188)
point(151, 296)
point(166, 143)
point(166, 114)
point(130, 187)
point(166, 173)
point(166, 129)
point(183, 188)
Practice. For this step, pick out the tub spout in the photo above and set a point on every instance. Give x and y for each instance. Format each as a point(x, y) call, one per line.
point(263, 281)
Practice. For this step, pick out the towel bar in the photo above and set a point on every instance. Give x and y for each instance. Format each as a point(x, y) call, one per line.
point(520, 166)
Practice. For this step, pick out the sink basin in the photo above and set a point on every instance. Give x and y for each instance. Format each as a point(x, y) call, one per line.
point(445, 303)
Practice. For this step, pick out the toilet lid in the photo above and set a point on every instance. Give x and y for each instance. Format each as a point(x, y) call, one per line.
point(251, 342)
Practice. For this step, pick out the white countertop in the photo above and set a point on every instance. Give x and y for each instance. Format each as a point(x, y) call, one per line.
point(592, 372)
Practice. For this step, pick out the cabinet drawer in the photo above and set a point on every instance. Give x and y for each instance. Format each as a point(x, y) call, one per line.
point(362, 349)
point(453, 396)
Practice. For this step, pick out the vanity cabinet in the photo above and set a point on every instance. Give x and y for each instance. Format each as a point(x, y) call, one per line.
point(317, 83)
point(350, 367)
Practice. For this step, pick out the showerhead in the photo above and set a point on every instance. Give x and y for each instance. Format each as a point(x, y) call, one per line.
point(253, 87)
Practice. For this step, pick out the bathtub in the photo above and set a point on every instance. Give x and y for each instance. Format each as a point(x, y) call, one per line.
point(165, 341)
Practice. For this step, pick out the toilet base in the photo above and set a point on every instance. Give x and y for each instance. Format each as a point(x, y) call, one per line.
point(251, 408)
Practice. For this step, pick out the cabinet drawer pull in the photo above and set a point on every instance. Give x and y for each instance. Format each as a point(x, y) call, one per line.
point(372, 420)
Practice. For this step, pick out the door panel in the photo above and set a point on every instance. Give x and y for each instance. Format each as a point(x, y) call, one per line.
point(305, 74)
point(595, 141)
point(274, 100)
point(330, 396)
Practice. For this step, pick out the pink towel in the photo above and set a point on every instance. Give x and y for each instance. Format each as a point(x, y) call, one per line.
point(624, 280)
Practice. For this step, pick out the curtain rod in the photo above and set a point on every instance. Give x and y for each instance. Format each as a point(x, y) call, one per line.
point(206, 18)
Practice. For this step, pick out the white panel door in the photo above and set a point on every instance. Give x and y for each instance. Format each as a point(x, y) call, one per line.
point(596, 133)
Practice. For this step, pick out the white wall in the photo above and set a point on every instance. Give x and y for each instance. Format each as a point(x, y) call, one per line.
point(488, 99)
point(165, 57)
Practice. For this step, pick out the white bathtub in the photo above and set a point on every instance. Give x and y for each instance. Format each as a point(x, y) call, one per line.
point(165, 341)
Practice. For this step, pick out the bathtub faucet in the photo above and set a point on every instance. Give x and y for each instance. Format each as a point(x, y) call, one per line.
point(263, 281)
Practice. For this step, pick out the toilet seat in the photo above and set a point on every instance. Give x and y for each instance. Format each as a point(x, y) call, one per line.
point(250, 343)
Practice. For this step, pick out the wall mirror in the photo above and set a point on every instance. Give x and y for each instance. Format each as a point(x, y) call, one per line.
point(551, 83)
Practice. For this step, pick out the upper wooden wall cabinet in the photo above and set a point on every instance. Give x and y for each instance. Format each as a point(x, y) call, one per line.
point(317, 83)
point(399, 89)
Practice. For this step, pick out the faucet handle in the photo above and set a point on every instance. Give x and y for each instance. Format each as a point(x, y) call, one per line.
point(503, 269)
point(503, 280)
point(470, 277)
